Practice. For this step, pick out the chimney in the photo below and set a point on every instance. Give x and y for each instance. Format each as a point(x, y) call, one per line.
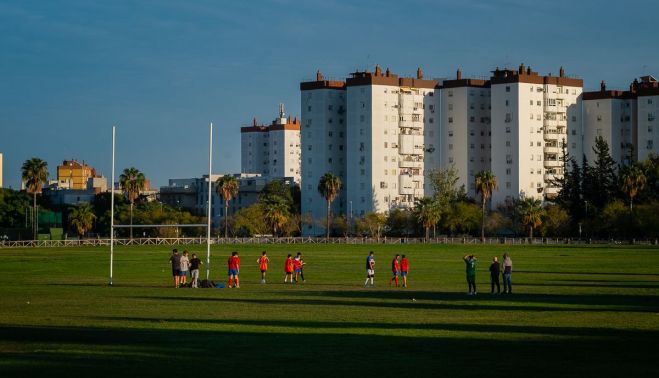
point(458, 75)
point(254, 121)
point(388, 73)
point(602, 86)
point(521, 69)
point(561, 72)
point(419, 73)
point(528, 70)
point(378, 70)
point(319, 76)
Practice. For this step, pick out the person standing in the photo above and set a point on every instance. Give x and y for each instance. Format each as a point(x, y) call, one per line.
point(288, 268)
point(404, 268)
point(195, 263)
point(184, 267)
point(234, 270)
point(395, 270)
point(302, 264)
point(370, 269)
point(263, 265)
point(472, 262)
point(175, 260)
point(297, 267)
point(507, 273)
point(495, 270)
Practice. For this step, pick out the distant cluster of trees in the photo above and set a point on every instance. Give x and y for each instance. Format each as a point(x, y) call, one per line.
point(598, 199)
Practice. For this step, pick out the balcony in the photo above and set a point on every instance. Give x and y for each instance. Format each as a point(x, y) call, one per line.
point(404, 163)
point(552, 150)
point(553, 163)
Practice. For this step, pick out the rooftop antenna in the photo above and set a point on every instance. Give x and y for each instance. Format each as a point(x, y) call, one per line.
point(281, 110)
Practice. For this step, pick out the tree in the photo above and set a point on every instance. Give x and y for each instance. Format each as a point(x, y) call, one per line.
point(556, 221)
point(486, 183)
point(531, 212)
point(371, 224)
point(328, 187)
point(463, 217)
point(82, 218)
point(600, 178)
point(276, 215)
point(571, 195)
point(34, 173)
point(132, 183)
point(227, 188)
point(427, 213)
point(250, 221)
point(633, 181)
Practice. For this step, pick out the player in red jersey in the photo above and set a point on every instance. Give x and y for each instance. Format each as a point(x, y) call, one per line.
point(263, 265)
point(395, 269)
point(234, 270)
point(404, 268)
point(288, 268)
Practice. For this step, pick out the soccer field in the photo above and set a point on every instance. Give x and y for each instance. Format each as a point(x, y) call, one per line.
point(576, 311)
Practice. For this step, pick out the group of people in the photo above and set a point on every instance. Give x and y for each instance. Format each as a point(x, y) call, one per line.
point(182, 265)
point(495, 271)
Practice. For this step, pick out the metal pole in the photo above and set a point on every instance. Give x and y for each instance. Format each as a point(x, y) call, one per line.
point(210, 202)
point(112, 209)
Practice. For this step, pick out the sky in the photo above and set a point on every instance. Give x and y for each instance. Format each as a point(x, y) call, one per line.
point(162, 70)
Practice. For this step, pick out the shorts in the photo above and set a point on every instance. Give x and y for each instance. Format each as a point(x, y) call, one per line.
point(288, 271)
point(175, 272)
point(298, 270)
point(195, 273)
point(233, 272)
point(404, 274)
point(263, 270)
point(370, 272)
point(395, 274)
point(182, 273)
point(471, 279)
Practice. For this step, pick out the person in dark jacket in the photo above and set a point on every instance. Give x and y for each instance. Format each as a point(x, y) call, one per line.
point(495, 270)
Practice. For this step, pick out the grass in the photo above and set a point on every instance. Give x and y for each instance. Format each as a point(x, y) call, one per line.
point(576, 311)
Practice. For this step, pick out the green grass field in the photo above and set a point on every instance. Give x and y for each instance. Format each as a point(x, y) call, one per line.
point(576, 311)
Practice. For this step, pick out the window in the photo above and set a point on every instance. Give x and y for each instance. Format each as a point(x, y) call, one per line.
point(574, 132)
point(574, 118)
point(508, 185)
point(450, 119)
point(531, 102)
point(508, 129)
point(507, 103)
point(508, 170)
point(361, 118)
point(450, 133)
point(507, 143)
point(507, 88)
point(599, 118)
point(450, 93)
point(531, 115)
point(531, 144)
point(650, 144)
point(386, 145)
point(471, 146)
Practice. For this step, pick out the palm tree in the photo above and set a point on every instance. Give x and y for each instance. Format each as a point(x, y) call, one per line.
point(82, 217)
point(531, 211)
point(276, 215)
point(427, 213)
point(227, 188)
point(328, 187)
point(486, 183)
point(132, 182)
point(633, 181)
point(35, 174)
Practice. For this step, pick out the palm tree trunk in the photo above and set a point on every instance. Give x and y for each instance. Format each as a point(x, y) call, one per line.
point(427, 233)
point(226, 224)
point(328, 219)
point(131, 220)
point(631, 204)
point(483, 220)
point(530, 232)
point(35, 216)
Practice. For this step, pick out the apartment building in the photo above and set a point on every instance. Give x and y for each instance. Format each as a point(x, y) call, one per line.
point(272, 150)
point(465, 128)
point(72, 174)
point(323, 139)
point(626, 120)
point(533, 118)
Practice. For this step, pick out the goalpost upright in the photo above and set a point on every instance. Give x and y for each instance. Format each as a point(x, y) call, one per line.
point(112, 209)
point(210, 200)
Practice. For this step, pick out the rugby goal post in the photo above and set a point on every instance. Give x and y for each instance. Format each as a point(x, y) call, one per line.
point(208, 214)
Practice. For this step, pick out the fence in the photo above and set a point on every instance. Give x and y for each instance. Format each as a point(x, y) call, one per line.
point(314, 240)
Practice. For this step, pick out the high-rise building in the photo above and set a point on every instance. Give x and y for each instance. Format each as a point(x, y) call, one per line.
point(626, 120)
point(323, 137)
point(465, 136)
point(534, 119)
point(272, 150)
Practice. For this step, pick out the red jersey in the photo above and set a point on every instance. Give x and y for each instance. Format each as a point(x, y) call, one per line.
point(234, 262)
point(394, 266)
point(288, 265)
point(263, 262)
point(404, 265)
point(297, 263)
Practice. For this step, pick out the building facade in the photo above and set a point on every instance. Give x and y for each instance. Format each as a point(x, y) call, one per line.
point(272, 150)
point(72, 174)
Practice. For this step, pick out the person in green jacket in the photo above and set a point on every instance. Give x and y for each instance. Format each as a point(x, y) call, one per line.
point(471, 261)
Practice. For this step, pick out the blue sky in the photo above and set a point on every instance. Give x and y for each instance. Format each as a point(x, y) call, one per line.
point(161, 70)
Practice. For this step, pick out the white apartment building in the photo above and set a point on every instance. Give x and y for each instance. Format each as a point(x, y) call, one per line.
point(323, 140)
point(272, 150)
point(465, 133)
point(533, 117)
point(391, 121)
point(610, 114)
point(647, 141)
point(625, 119)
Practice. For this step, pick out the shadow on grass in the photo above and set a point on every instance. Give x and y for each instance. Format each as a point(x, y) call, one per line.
point(598, 285)
point(71, 351)
point(445, 301)
point(587, 273)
